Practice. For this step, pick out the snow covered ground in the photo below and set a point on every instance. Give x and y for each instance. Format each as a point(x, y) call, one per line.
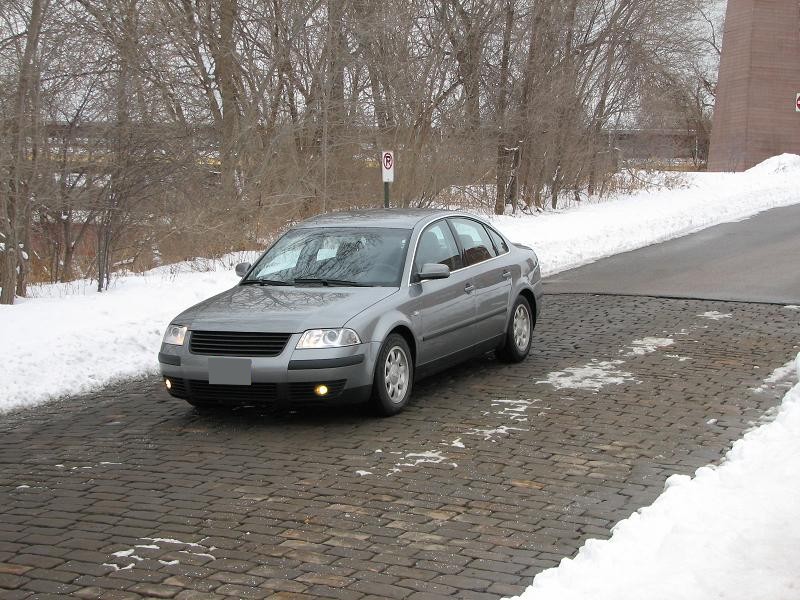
point(729, 532)
point(580, 235)
point(67, 339)
point(70, 339)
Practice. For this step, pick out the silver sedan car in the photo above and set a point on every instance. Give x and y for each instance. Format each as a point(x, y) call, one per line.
point(354, 307)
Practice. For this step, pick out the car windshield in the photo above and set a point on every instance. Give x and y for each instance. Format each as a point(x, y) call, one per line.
point(334, 256)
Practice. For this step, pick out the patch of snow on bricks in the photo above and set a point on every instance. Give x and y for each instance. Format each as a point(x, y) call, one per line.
point(731, 531)
point(130, 552)
point(515, 410)
point(491, 433)
point(412, 460)
point(678, 357)
point(648, 345)
point(777, 376)
point(86, 467)
point(418, 458)
point(116, 567)
point(593, 376)
point(715, 315)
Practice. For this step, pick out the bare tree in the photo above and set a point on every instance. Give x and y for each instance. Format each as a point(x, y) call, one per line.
point(16, 153)
point(181, 127)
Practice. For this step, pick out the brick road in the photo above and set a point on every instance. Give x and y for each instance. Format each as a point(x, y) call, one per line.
point(493, 474)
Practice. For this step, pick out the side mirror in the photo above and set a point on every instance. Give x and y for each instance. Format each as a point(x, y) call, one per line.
point(242, 269)
point(433, 271)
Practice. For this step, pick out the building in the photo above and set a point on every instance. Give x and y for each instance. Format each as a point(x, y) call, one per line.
point(756, 114)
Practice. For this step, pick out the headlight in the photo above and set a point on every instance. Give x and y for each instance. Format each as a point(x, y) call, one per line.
point(328, 338)
point(175, 335)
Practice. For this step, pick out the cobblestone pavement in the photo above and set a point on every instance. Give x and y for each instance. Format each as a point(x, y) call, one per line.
point(493, 474)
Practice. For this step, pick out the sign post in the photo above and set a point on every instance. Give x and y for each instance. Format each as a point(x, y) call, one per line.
point(387, 169)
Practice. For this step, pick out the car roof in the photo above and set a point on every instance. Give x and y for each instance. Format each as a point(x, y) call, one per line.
point(393, 218)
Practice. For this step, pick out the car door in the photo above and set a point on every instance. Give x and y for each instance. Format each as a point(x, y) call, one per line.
point(490, 275)
point(446, 306)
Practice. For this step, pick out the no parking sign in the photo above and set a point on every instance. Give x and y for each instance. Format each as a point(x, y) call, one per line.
point(387, 166)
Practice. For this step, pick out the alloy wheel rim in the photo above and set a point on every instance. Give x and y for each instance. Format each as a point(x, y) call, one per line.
point(522, 328)
point(396, 374)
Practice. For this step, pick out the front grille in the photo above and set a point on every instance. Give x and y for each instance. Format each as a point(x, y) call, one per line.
point(304, 392)
point(202, 391)
point(235, 343)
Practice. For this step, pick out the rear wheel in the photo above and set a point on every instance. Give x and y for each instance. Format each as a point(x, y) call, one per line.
point(517, 344)
point(394, 376)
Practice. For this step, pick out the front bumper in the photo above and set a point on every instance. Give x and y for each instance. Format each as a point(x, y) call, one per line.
point(267, 394)
point(287, 379)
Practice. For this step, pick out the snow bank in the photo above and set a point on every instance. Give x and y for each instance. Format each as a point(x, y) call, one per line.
point(580, 235)
point(67, 339)
point(730, 532)
point(785, 163)
point(72, 340)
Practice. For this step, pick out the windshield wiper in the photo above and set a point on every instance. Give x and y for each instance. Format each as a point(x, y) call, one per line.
point(329, 282)
point(265, 282)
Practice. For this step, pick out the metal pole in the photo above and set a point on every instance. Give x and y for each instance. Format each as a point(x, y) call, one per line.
point(385, 194)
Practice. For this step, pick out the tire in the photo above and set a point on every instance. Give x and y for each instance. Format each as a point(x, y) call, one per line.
point(394, 376)
point(519, 333)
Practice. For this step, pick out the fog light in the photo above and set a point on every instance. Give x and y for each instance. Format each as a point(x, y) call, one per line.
point(168, 383)
point(321, 390)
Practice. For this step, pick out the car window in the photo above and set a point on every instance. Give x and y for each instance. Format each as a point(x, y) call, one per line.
point(499, 243)
point(474, 240)
point(438, 246)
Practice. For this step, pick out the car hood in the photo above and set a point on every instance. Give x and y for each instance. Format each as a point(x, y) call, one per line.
point(280, 309)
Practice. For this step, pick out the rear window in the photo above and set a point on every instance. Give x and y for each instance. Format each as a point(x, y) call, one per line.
point(476, 243)
point(499, 243)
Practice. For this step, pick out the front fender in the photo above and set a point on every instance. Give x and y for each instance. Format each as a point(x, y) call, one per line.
point(378, 326)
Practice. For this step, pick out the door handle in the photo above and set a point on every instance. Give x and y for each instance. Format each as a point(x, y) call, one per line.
point(506, 274)
point(469, 288)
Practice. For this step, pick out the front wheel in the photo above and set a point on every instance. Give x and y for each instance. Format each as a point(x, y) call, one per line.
point(394, 376)
point(518, 334)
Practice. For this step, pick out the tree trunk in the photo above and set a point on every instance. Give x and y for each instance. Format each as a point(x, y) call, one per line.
point(599, 116)
point(15, 203)
point(502, 101)
point(226, 81)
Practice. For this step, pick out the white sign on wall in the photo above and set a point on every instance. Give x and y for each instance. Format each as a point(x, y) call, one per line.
point(387, 166)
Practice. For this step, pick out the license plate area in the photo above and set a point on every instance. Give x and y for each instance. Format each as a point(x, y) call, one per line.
point(230, 371)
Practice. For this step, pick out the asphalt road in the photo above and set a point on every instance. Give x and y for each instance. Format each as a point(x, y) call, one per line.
point(756, 260)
